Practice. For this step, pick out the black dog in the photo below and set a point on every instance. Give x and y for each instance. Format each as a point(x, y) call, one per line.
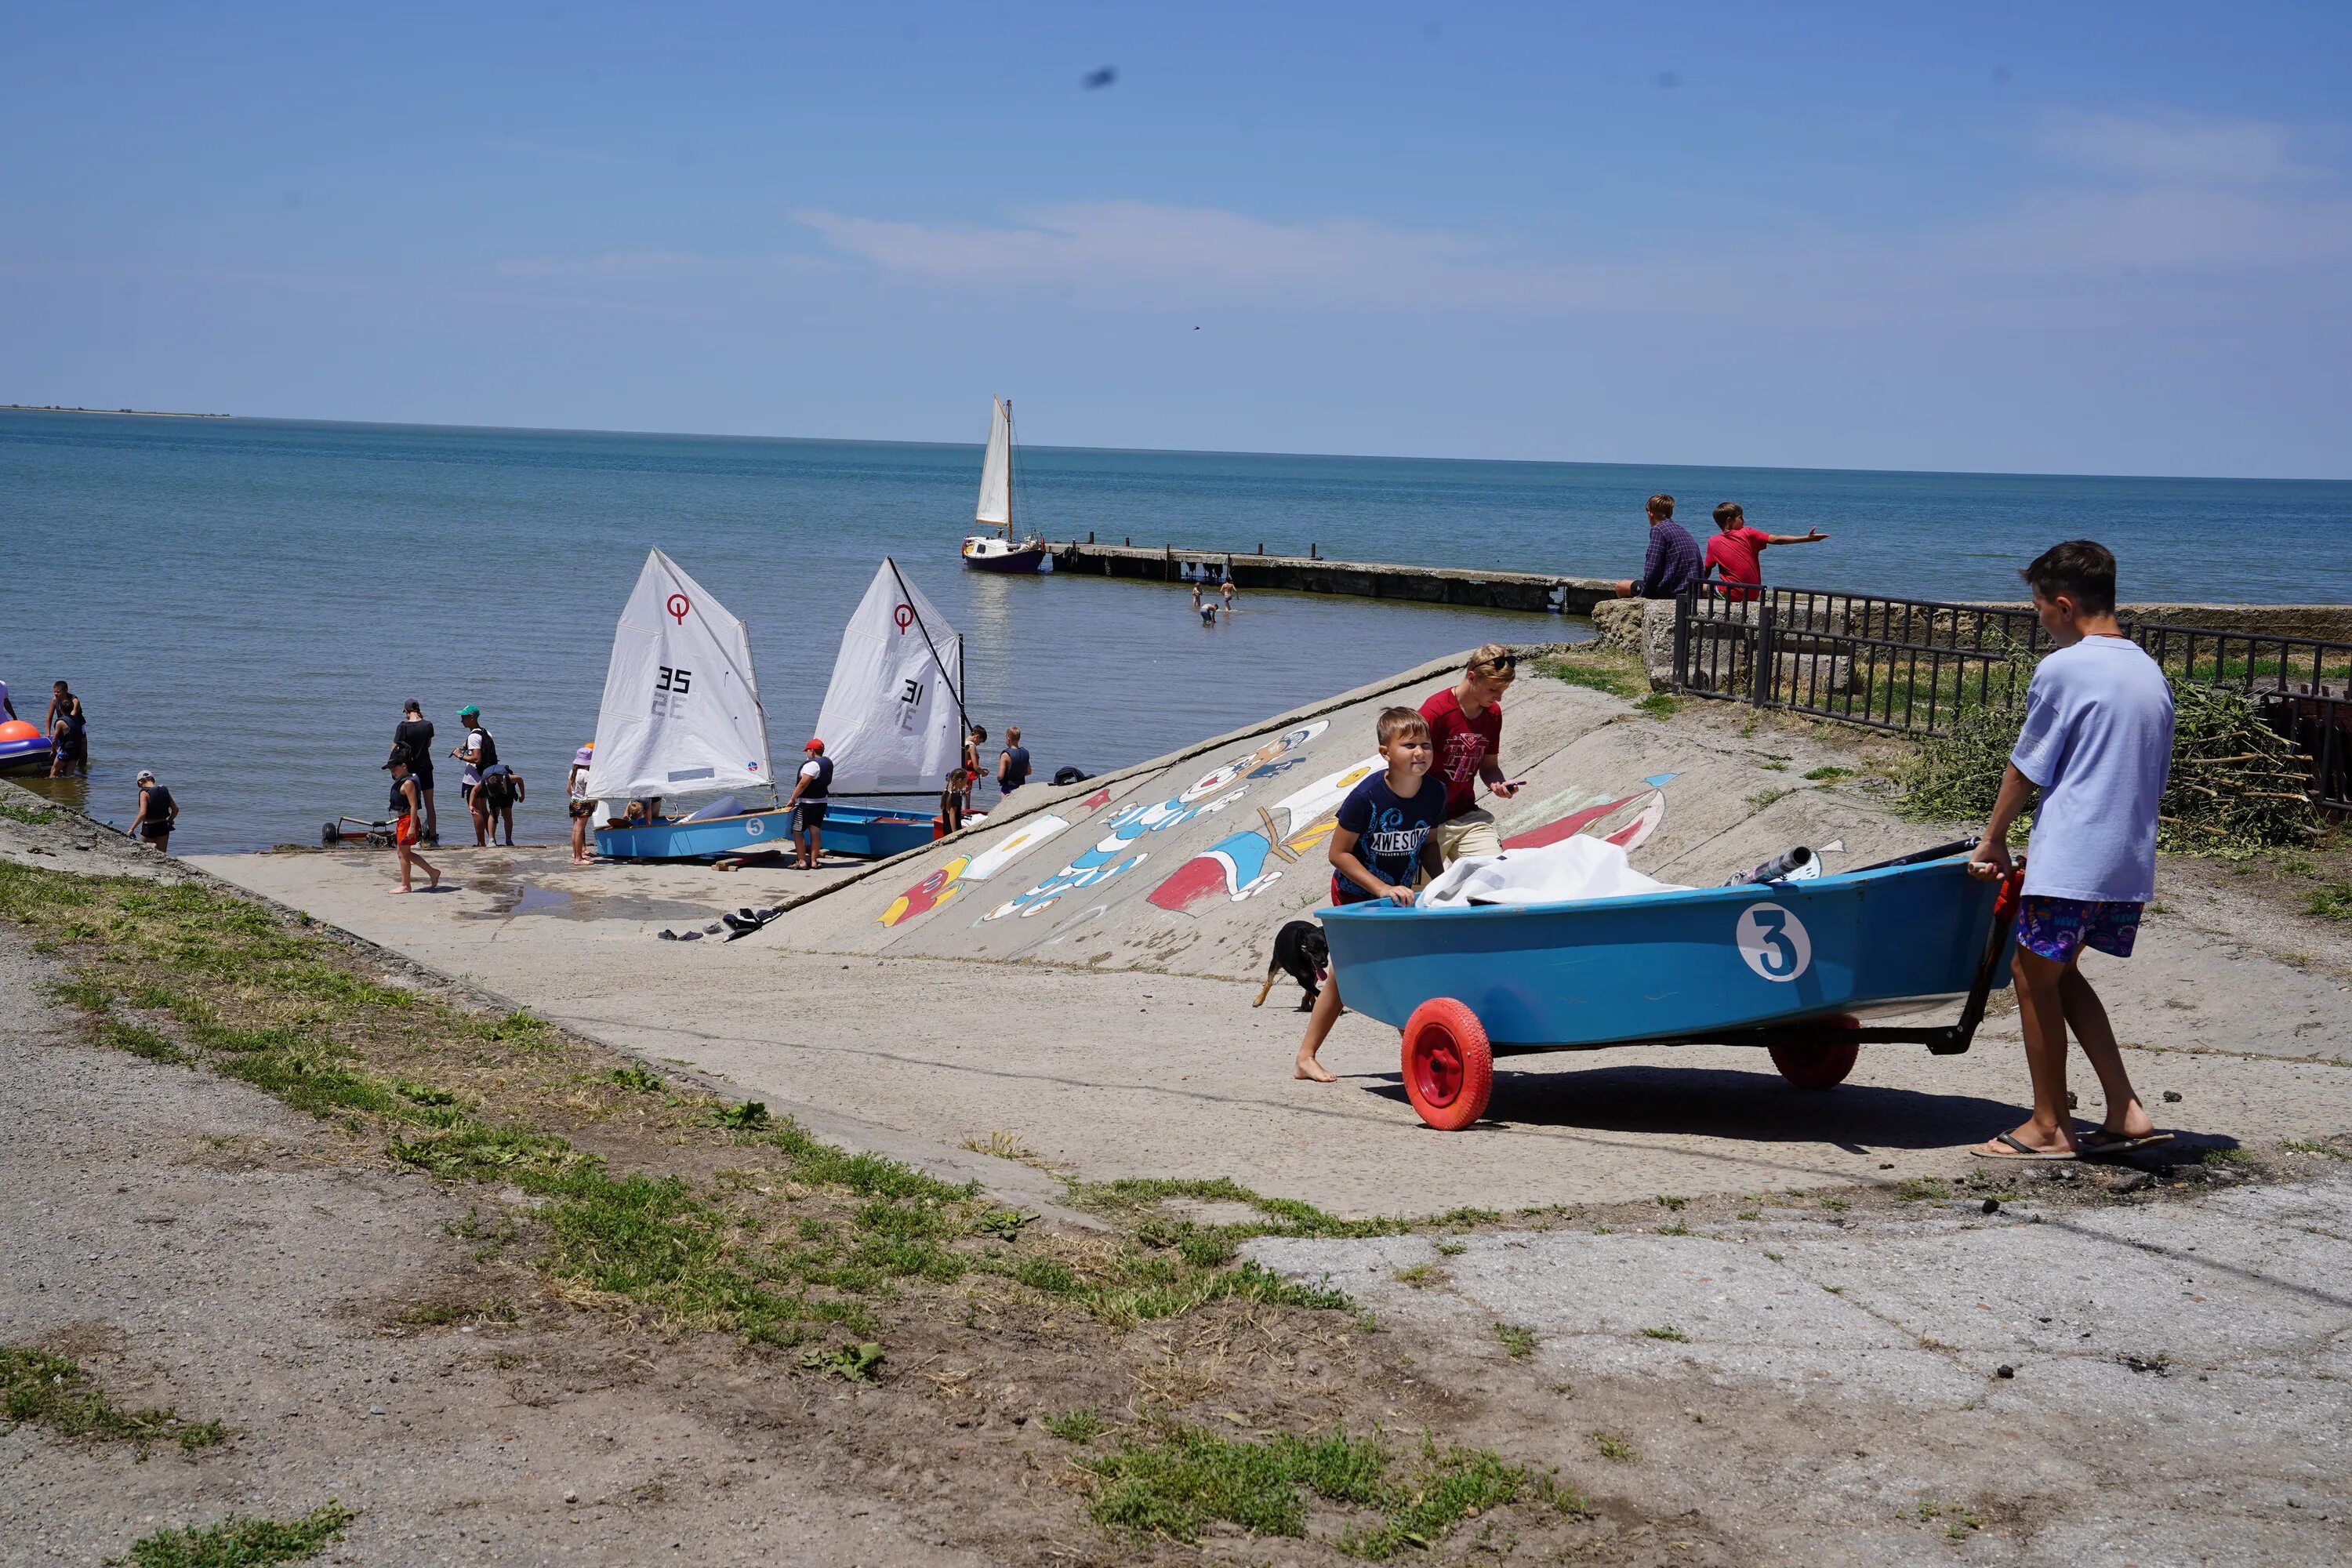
point(1301, 952)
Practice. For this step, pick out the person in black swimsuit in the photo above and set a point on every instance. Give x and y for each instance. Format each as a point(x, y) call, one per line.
point(68, 728)
point(414, 734)
point(407, 805)
point(158, 813)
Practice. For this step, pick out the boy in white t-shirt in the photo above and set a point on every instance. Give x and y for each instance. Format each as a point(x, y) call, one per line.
point(2097, 743)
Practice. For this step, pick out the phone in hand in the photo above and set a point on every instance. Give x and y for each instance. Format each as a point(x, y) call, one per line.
point(1512, 785)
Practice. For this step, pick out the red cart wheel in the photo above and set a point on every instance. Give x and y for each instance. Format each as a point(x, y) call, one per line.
point(1818, 1056)
point(1449, 1069)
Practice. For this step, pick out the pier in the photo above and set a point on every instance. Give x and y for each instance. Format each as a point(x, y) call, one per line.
point(1538, 591)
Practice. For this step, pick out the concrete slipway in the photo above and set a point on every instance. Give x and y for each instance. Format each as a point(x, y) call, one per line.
point(1078, 974)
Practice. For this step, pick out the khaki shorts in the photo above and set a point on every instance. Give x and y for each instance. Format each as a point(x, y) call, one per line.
point(1472, 833)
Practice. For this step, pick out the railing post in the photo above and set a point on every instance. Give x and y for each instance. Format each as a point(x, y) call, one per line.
point(1760, 660)
point(1682, 641)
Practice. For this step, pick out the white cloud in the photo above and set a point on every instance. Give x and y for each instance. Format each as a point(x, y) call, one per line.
point(2177, 150)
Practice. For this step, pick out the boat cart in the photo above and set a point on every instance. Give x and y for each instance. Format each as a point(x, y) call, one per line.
point(1797, 967)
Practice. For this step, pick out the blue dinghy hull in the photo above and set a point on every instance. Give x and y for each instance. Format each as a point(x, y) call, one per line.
point(856, 830)
point(1696, 965)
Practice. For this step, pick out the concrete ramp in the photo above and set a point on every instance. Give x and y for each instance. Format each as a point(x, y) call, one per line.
point(1190, 863)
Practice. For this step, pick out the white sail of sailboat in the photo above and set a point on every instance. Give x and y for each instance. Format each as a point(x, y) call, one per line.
point(893, 719)
point(996, 470)
point(682, 710)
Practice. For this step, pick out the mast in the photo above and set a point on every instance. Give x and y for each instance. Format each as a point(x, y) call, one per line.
point(1008, 476)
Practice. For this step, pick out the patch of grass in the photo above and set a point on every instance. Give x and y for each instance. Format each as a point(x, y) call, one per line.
point(2332, 902)
point(1518, 1339)
point(1660, 705)
point(637, 1080)
point(2308, 1146)
point(1083, 1425)
point(1613, 670)
point(1921, 1190)
point(1749, 1214)
point(1958, 1522)
point(1615, 1450)
point(54, 1391)
point(1764, 797)
point(1420, 1276)
point(1666, 1332)
point(30, 815)
point(1190, 1478)
point(747, 1117)
point(239, 1541)
point(854, 1363)
point(1451, 1248)
point(2231, 1156)
point(1836, 1206)
point(1666, 1201)
point(122, 1034)
point(1824, 774)
point(1677, 1228)
point(422, 1093)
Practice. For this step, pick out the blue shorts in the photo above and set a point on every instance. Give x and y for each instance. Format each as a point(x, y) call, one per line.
point(2058, 929)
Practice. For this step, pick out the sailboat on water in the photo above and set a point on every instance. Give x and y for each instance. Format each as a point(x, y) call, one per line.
point(996, 552)
point(681, 716)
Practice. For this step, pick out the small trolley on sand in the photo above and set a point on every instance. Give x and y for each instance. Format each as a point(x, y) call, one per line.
point(1793, 966)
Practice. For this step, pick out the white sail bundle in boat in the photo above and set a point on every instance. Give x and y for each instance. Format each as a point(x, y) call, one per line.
point(893, 716)
point(682, 710)
point(996, 469)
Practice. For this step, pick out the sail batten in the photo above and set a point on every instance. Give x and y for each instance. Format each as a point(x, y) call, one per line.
point(681, 711)
point(996, 469)
point(893, 715)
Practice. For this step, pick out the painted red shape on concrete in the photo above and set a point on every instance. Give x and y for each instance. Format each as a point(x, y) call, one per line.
point(1567, 827)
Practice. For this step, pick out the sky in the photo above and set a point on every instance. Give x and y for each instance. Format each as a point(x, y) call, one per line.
point(2089, 238)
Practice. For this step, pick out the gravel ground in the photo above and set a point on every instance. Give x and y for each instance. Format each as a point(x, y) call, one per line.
point(196, 1245)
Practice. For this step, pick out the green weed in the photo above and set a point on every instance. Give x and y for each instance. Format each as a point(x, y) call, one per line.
point(2332, 902)
point(747, 1117)
point(1080, 1425)
point(239, 1541)
point(636, 1079)
point(1614, 1448)
point(30, 815)
point(1518, 1339)
point(1765, 797)
point(54, 1391)
point(1667, 1332)
point(1823, 776)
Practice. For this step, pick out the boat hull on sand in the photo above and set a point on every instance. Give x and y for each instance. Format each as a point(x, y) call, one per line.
point(867, 832)
point(1703, 964)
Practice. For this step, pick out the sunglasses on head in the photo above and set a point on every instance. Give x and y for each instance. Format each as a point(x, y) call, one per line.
point(1507, 666)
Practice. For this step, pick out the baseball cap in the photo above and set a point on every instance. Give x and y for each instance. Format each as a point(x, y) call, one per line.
point(814, 745)
point(469, 712)
point(144, 777)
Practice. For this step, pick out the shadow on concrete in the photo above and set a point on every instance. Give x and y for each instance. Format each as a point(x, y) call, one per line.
point(1758, 1107)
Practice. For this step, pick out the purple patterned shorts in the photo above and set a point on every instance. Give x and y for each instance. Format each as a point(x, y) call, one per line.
point(2058, 929)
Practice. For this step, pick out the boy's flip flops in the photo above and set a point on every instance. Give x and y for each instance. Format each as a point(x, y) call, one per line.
point(2024, 1151)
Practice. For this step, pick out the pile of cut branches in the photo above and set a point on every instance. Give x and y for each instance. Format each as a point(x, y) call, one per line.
point(2236, 789)
point(2237, 786)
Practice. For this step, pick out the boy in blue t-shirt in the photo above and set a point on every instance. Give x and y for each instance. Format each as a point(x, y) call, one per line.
point(2097, 743)
point(1387, 834)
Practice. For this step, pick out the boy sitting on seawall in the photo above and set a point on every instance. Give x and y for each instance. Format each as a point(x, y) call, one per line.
point(2097, 743)
point(1387, 834)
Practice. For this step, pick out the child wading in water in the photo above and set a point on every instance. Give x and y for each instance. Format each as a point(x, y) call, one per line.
point(1386, 833)
point(2097, 743)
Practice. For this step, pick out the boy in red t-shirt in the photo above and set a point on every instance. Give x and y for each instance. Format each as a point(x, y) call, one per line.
point(1735, 549)
point(1465, 727)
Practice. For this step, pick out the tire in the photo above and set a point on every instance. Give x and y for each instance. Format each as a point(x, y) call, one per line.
point(1449, 1069)
point(1818, 1056)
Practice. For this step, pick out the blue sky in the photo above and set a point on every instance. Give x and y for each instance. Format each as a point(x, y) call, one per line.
point(2092, 238)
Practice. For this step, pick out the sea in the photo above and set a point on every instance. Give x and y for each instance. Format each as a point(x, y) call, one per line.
point(243, 604)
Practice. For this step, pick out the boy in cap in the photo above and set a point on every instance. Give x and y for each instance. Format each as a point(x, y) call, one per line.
point(809, 792)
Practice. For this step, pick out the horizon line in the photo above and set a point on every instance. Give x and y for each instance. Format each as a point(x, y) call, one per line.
point(92, 411)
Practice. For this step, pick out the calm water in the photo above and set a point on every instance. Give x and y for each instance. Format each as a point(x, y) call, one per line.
point(244, 604)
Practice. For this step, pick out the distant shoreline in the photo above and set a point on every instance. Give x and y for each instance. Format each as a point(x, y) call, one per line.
point(136, 413)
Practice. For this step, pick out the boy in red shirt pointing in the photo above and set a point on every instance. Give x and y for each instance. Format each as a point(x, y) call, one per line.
point(1735, 549)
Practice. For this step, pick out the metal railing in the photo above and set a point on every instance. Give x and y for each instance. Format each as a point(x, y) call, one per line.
point(1912, 664)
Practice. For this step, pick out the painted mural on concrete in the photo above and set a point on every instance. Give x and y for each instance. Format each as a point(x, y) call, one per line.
point(950, 879)
point(1112, 855)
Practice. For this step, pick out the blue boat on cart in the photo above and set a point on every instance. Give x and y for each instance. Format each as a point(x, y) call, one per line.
point(1793, 966)
point(23, 748)
point(859, 830)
